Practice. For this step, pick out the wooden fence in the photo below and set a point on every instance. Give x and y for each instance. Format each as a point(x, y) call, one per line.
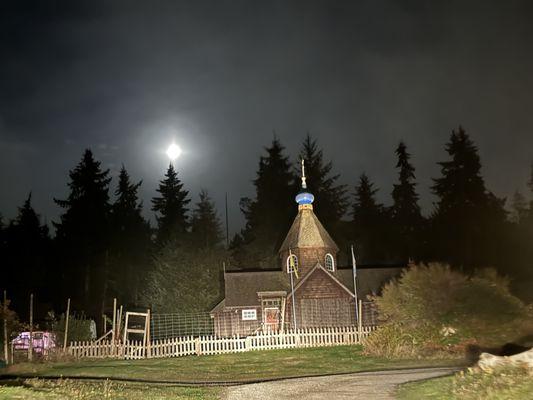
point(207, 345)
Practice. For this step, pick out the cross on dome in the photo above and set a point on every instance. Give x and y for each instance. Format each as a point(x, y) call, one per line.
point(304, 198)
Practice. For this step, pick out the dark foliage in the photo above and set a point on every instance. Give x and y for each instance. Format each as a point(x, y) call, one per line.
point(171, 208)
point(205, 224)
point(406, 218)
point(331, 198)
point(26, 246)
point(469, 221)
point(269, 215)
point(83, 234)
point(130, 243)
point(368, 222)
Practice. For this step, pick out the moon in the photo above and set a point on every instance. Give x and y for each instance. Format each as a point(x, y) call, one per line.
point(173, 151)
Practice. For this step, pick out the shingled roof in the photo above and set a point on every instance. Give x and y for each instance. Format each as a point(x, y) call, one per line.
point(307, 231)
point(242, 287)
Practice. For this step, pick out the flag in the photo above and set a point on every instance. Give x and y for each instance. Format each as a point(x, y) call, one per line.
point(354, 264)
point(293, 266)
point(354, 269)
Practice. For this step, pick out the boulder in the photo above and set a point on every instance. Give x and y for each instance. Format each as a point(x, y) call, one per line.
point(489, 361)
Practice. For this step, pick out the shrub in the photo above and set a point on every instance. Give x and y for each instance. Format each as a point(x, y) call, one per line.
point(79, 328)
point(434, 310)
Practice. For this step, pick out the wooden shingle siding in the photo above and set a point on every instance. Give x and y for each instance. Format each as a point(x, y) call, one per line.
point(320, 301)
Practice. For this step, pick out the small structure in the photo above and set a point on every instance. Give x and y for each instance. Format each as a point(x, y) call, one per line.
point(42, 342)
point(307, 289)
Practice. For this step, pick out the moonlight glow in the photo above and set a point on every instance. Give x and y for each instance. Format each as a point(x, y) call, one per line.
point(173, 151)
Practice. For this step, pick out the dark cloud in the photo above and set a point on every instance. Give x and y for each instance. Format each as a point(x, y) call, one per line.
point(126, 78)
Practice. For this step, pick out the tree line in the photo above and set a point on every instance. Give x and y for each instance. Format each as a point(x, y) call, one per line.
point(103, 247)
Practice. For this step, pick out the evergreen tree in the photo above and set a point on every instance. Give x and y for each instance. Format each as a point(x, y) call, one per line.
point(205, 224)
point(269, 215)
point(519, 208)
point(83, 234)
point(405, 212)
point(131, 244)
point(26, 255)
point(530, 209)
point(368, 220)
point(469, 220)
point(331, 200)
point(171, 208)
point(185, 279)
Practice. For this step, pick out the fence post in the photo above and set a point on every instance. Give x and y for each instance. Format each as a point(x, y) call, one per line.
point(65, 338)
point(30, 343)
point(360, 322)
point(6, 344)
point(198, 346)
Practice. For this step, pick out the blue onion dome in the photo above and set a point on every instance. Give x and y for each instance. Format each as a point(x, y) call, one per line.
point(304, 198)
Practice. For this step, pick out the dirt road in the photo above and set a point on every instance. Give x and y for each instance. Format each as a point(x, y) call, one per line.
point(364, 385)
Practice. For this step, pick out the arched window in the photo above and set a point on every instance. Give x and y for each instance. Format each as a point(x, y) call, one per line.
point(330, 262)
point(292, 259)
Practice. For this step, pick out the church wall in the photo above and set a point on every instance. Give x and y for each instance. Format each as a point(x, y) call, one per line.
point(321, 302)
point(228, 322)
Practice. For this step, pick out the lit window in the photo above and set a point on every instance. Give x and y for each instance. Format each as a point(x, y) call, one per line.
point(292, 260)
point(330, 262)
point(249, 315)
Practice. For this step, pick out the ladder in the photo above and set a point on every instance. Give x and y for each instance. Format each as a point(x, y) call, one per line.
point(145, 350)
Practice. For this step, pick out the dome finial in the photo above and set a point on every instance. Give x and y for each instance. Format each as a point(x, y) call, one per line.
point(304, 184)
point(304, 198)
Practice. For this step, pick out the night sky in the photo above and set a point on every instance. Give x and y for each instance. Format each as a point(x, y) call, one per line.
point(126, 78)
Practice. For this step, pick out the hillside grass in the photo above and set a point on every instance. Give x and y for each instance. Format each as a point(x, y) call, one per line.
point(246, 366)
point(509, 383)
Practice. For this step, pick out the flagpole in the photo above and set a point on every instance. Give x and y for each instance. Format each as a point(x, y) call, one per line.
point(354, 272)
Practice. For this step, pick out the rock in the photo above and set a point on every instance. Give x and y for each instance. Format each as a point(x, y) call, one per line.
point(490, 361)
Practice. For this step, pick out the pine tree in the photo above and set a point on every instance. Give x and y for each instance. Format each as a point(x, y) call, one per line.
point(26, 255)
point(367, 222)
point(131, 244)
point(519, 207)
point(269, 215)
point(468, 220)
point(205, 224)
point(171, 208)
point(83, 233)
point(185, 279)
point(331, 200)
point(406, 217)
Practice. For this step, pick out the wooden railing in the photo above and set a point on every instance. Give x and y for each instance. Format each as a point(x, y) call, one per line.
point(207, 345)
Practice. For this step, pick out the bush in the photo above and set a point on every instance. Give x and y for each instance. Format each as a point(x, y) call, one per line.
point(432, 310)
point(79, 328)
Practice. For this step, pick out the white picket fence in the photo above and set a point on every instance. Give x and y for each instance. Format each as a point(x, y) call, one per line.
point(208, 345)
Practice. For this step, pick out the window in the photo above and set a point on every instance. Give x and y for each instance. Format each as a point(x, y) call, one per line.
point(249, 315)
point(330, 262)
point(292, 259)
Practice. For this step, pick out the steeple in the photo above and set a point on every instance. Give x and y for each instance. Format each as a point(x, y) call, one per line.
point(304, 198)
point(307, 238)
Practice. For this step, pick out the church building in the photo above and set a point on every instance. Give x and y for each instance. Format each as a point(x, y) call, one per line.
point(307, 289)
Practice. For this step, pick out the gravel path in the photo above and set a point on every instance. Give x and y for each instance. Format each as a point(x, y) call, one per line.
point(363, 385)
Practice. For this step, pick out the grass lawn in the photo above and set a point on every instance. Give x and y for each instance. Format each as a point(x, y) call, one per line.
point(227, 367)
point(38, 389)
point(511, 383)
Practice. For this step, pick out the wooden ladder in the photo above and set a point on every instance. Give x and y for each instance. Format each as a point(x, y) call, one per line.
point(145, 331)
